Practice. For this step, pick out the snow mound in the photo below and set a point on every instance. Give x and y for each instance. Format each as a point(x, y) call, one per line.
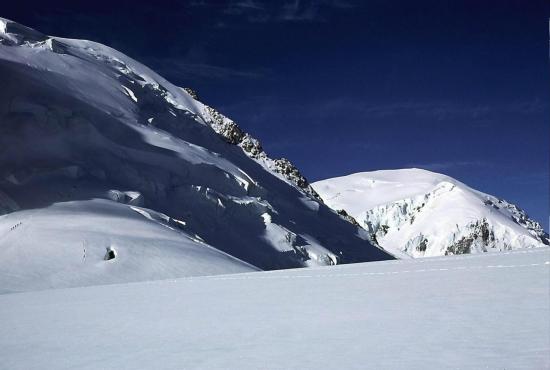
point(414, 212)
point(66, 245)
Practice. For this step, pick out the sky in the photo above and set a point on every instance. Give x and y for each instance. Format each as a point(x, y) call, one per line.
point(342, 86)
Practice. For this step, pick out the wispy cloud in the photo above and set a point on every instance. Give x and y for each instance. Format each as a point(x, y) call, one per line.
point(436, 110)
point(476, 114)
point(243, 6)
point(262, 11)
point(311, 11)
point(182, 69)
point(541, 177)
point(298, 11)
point(285, 143)
point(535, 105)
point(448, 165)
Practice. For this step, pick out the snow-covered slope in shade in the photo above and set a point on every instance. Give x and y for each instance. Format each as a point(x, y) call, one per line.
point(101, 242)
point(414, 212)
point(80, 121)
point(487, 311)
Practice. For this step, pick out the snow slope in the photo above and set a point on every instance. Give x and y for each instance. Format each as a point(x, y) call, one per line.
point(489, 311)
point(65, 245)
point(81, 122)
point(414, 212)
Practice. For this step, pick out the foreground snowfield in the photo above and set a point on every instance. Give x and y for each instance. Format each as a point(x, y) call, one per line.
point(64, 245)
point(469, 312)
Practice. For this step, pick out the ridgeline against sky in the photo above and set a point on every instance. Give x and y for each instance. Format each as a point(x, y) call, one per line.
point(342, 86)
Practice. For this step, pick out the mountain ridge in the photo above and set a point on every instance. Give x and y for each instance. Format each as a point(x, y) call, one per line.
point(81, 122)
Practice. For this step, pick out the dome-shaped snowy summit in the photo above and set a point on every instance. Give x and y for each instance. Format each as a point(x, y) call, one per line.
point(417, 213)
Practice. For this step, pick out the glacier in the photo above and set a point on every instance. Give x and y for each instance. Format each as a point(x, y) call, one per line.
point(419, 213)
point(91, 141)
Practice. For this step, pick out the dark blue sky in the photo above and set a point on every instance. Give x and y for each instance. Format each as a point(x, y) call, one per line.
point(337, 86)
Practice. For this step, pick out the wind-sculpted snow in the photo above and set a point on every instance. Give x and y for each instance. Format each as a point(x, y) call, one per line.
point(420, 213)
point(80, 121)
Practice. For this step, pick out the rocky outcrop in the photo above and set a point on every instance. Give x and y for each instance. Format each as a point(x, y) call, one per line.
point(192, 92)
point(477, 236)
point(348, 217)
point(481, 236)
point(233, 134)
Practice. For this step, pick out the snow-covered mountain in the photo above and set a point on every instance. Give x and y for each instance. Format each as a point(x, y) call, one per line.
point(110, 173)
point(418, 213)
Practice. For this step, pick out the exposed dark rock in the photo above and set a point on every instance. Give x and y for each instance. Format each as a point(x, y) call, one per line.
point(348, 217)
point(489, 202)
point(233, 134)
point(192, 92)
point(481, 234)
point(110, 255)
point(290, 172)
point(462, 246)
point(251, 146)
point(286, 168)
point(423, 245)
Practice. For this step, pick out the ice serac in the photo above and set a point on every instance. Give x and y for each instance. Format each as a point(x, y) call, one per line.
point(87, 133)
point(417, 213)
